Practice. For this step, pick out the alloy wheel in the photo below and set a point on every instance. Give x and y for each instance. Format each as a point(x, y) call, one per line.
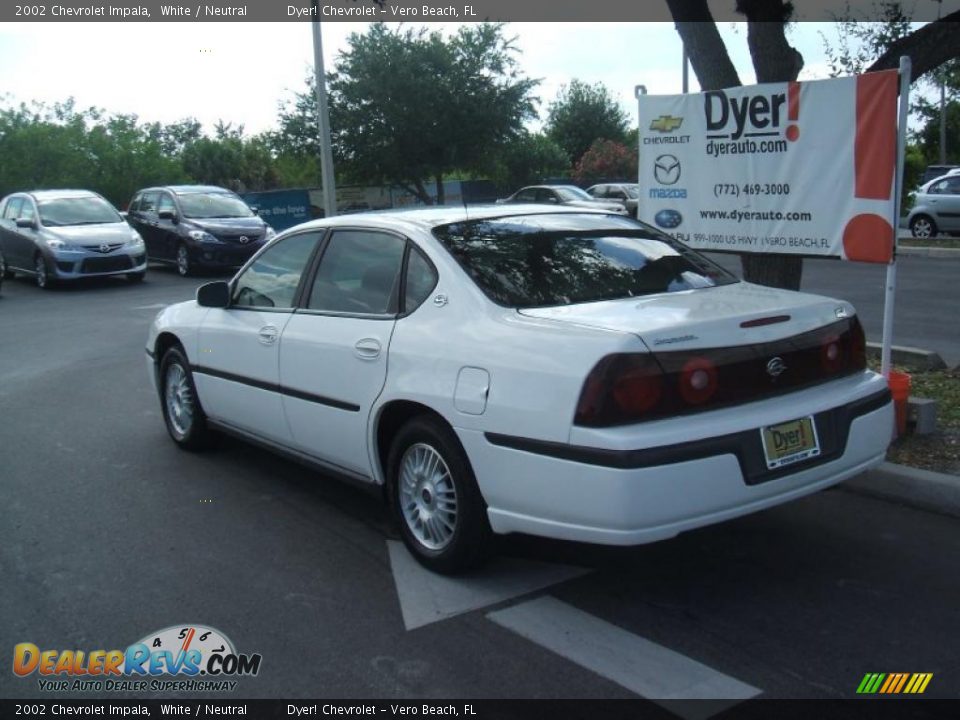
point(428, 497)
point(179, 399)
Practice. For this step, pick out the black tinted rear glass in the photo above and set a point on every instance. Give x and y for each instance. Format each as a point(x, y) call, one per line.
point(546, 260)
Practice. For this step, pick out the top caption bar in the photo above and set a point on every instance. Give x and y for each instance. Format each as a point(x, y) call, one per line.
point(418, 12)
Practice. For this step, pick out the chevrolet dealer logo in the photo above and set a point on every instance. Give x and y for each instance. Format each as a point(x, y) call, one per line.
point(666, 123)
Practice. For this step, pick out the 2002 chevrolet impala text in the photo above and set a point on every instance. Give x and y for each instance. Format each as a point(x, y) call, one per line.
point(565, 373)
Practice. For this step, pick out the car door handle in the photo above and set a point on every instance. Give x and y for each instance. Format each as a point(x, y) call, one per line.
point(267, 335)
point(367, 349)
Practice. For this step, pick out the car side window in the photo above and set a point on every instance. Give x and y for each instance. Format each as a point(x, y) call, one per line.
point(27, 211)
point(272, 280)
point(358, 273)
point(12, 209)
point(420, 281)
point(526, 196)
point(952, 186)
point(166, 203)
point(148, 203)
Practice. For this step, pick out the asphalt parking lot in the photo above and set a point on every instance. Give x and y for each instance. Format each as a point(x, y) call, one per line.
point(109, 533)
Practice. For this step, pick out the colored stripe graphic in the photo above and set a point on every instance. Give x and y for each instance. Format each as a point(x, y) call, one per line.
point(894, 683)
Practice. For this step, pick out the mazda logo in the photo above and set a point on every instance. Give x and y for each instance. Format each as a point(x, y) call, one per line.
point(244, 239)
point(666, 170)
point(776, 367)
point(104, 247)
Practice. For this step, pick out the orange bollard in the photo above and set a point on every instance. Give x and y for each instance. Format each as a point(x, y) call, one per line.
point(900, 389)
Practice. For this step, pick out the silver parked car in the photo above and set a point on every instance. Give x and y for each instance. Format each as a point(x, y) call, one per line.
point(626, 193)
point(569, 195)
point(936, 207)
point(55, 235)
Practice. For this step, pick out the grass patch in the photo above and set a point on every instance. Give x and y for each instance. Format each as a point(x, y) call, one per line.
point(941, 241)
point(939, 451)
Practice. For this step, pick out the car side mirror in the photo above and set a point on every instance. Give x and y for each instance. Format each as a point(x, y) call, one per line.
point(168, 215)
point(255, 209)
point(27, 223)
point(214, 294)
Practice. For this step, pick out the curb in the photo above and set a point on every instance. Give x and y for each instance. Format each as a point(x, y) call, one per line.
point(933, 252)
point(919, 489)
point(912, 357)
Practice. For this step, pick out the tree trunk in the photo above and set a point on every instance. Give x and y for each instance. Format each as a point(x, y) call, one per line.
point(441, 196)
point(774, 60)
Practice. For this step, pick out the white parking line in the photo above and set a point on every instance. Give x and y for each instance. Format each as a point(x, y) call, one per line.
point(426, 597)
point(641, 666)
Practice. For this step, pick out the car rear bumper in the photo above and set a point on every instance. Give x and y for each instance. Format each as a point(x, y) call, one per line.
point(622, 497)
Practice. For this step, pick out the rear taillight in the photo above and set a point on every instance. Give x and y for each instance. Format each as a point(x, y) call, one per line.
point(628, 388)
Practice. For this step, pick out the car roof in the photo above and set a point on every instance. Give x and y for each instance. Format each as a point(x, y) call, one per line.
point(189, 189)
point(59, 194)
point(427, 218)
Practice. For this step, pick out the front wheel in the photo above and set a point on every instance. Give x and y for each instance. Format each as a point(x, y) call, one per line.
point(42, 274)
point(5, 272)
point(184, 266)
point(435, 498)
point(182, 413)
point(923, 227)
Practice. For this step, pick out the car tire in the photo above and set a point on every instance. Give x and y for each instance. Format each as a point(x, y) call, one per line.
point(434, 496)
point(136, 277)
point(5, 272)
point(923, 227)
point(42, 272)
point(182, 413)
point(184, 266)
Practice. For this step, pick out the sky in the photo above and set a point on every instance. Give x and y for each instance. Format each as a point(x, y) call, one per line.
point(241, 72)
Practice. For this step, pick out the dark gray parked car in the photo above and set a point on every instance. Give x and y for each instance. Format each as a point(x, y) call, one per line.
point(55, 235)
point(191, 226)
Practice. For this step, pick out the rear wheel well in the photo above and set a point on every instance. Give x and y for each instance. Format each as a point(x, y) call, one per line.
point(394, 416)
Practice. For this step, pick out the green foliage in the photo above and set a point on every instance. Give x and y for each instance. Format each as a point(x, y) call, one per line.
point(231, 161)
point(582, 113)
point(61, 147)
point(607, 160)
point(528, 160)
point(407, 106)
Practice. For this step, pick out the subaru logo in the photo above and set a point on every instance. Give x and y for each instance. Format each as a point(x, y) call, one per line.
point(666, 169)
point(668, 218)
point(244, 239)
point(776, 367)
point(104, 247)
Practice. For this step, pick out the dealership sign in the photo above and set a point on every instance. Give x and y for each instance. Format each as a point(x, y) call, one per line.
point(805, 168)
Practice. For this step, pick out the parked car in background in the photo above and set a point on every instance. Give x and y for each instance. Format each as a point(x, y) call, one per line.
point(936, 207)
point(625, 193)
point(67, 234)
point(937, 171)
point(3, 268)
point(563, 195)
point(197, 226)
point(553, 371)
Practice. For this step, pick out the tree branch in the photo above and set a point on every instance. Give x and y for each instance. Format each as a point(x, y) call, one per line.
point(928, 48)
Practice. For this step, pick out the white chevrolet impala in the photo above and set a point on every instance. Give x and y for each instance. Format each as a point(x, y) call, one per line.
point(566, 373)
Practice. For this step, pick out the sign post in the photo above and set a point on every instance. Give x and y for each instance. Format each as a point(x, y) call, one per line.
point(891, 287)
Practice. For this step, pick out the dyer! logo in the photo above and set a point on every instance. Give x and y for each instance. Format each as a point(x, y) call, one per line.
point(752, 116)
point(180, 650)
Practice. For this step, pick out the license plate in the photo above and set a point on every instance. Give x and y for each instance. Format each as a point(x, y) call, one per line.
point(790, 442)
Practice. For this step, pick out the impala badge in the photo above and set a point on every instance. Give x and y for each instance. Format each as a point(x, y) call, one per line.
point(776, 367)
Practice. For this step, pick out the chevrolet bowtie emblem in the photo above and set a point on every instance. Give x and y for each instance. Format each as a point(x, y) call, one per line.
point(666, 123)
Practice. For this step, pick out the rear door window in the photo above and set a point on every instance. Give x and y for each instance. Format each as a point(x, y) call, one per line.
point(358, 273)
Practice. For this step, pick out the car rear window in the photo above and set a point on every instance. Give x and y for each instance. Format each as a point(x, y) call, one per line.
point(548, 260)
